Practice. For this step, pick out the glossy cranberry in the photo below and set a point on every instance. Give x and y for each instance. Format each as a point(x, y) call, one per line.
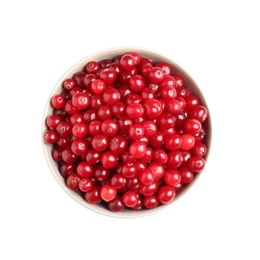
point(129, 170)
point(157, 140)
point(146, 94)
point(168, 93)
point(101, 174)
point(109, 160)
point(50, 136)
point(134, 110)
point(109, 127)
point(199, 149)
point(148, 156)
point(157, 169)
point(108, 75)
point(175, 159)
point(116, 204)
point(172, 177)
point(146, 177)
point(79, 77)
point(64, 142)
point(58, 101)
point(108, 192)
point(152, 108)
point(100, 142)
point(79, 146)
point(80, 130)
point(137, 83)
point(80, 101)
point(137, 149)
point(173, 142)
point(192, 126)
point(149, 127)
point(69, 108)
point(68, 156)
point(64, 128)
point(57, 154)
point(186, 175)
point(111, 96)
point(73, 181)
point(69, 84)
point(93, 156)
point(92, 67)
point(127, 62)
point(118, 144)
point(85, 169)
point(86, 184)
point(88, 80)
point(76, 118)
point(118, 180)
point(130, 198)
point(95, 127)
point(192, 101)
point(67, 169)
point(166, 194)
point(166, 120)
point(127, 158)
point(179, 80)
point(93, 196)
point(118, 109)
point(200, 113)
point(136, 56)
point(165, 66)
point(98, 86)
point(151, 202)
point(148, 190)
point(186, 156)
point(173, 106)
point(105, 63)
point(160, 156)
point(136, 131)
point(104, 112)
point(133, 183)
point(124, 123)
point(188, 141)
point(201, 135)
point(90, 115)
point(156, 75)
point(196, 163)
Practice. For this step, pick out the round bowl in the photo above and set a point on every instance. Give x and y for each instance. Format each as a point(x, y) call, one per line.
point(106, 54)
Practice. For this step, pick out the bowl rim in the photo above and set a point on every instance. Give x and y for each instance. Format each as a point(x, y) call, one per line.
point(109, 53)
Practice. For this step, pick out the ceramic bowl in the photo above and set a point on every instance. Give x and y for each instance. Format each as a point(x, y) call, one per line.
point(106, 54)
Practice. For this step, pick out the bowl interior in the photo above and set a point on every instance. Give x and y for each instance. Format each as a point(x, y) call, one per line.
point(189, 83)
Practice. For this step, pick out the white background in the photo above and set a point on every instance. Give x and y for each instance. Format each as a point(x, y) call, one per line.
point(217, 43)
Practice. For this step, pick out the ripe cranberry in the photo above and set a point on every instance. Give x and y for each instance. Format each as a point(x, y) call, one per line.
point(173, 106)
point(118, 109)
point(50, 136)
point(100, 142)
point(67, 169)
point(188, 141)
point(94, 127)
point(85, 169)
point(109, 127)
point(157, 169)
point(179, 80)
point(146, 177)
point(86, 184)
point(79, 146)
point(173, 142)
point(168, 93)
point(172, 177)
point(137, 83)
point(166, 194)
point(88, 80)
point(93, 196)
point(108, 75)
point(69, 84)
point(134, 110)
point(150, 128)
point(136, 131)
point(200, 113)
point(157, 140)
point(192, 126)
point(109, 160)
point(148, 190)
point(129, 170)
point(175, 159)
point(98, 86)
point(111, 96)
point(151, 202)
point(192, 101)
point(108, 192)
point(92, 67)
point(130, 198)
point(118, 180)
point(93, 156)
point(156, 75)
point(166, 67)
point(101, 174)
point(152, 108)
point(80, 101)
point(73, 181)
point(58, 101)
point(160, 156)
point(104, 112)
point(137, 149)
point(68, 156)
point(116, 204)
point(80, 130)
point(127, 62)
point(199, 149)
point(196, 163)
point(186, 175)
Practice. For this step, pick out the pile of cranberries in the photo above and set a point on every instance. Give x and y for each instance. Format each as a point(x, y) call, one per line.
point(127, 133)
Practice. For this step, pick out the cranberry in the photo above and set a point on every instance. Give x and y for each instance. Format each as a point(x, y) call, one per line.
point(93, 196)
point(166, 194)
point(199, 149)
point(108, 192)
point(58, 101)
point(127, 62)
point(79, 146)
point(109, 160)
point(130, 198)
point(80, 101)
point(116, 204)
point(152, 108)
point(137, 149)
point(137, 83)
point(73, 181)
point(146, 177)
point(86, 185)
point(50, 136)
point(109, 127)
point(196, 163)
point(172, 177)
point(100, 142)
point(108, 75)
point(134, 110)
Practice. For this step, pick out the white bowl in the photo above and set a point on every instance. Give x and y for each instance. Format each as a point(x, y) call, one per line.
point(110, 53)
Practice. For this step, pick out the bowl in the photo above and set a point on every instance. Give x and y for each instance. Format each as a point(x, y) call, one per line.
point(109, 54)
